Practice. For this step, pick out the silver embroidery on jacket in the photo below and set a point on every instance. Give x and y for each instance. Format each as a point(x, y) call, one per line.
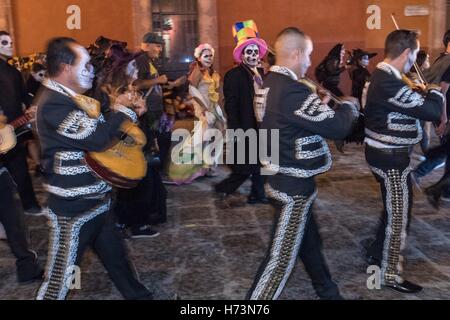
point(100, 187)
point(313, 109)
point(395, 140)
point(77, 125)
point(392, 125)
point(406, 98)
point(300, 143)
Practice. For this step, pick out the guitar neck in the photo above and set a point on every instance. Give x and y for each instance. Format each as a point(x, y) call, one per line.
point(20, 121)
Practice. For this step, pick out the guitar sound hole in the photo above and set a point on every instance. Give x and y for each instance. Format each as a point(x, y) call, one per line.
point(128, 139)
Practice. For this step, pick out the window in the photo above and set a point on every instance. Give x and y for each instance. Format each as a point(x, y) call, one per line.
point(176, 21)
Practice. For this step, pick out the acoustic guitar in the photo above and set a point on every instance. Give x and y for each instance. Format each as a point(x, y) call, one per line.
point(11, 131)
point(123, 165)
point(7, 138)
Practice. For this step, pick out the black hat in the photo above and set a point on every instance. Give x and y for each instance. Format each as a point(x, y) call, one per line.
point(358, 54)
point(152, 37)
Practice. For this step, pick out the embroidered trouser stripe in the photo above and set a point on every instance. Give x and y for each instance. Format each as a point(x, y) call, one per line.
point(62, 253)
point(397, 207)
point(286, 243)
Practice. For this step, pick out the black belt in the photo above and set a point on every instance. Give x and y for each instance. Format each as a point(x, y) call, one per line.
point(392, 151)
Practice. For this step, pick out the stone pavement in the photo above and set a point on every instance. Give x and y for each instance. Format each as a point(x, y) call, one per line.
point(209, 251)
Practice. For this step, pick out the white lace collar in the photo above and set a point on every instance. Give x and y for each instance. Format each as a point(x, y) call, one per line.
point(284, 70)
point(386, 67)
point(58, 87)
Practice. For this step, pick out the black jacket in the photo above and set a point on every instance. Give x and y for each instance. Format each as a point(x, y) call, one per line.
point(360, 76)
point(393, 110)
point(303, 123)
point(239, 92)
point(12, 91)
point(66, 133)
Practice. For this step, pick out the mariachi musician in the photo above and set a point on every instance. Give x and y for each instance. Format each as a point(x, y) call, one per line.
point(393, 113)
point(69, 126)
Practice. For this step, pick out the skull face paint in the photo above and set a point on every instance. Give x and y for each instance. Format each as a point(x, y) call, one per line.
point(6, 46)
point(206, 58)
point(251, 55)
point(364, 61)
point(38, 76)
point(132, 71)
point(84, 69)
point(412, 57)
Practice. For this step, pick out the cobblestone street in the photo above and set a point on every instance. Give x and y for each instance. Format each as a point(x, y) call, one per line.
point(209, 251)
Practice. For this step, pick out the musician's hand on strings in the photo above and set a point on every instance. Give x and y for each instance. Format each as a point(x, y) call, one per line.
point(140, 106)
point(31, 111)
point(324, 96)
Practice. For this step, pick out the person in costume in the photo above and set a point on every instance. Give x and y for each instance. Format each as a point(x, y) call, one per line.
point(328, 72)
point(360, 75)
point(204, 85)
point(303, 121)
point(139, 208)
point(11, 223)
point(69, 126)
point(13, 96)
point(439, 73)
point(240, 84)
point(392, 117)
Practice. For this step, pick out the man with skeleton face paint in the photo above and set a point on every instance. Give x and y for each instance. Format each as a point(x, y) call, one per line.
point(240, 84)
point(392, 118)
point(13, 97)
point(70, 125)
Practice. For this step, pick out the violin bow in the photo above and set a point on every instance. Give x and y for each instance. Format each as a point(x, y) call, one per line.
point(419, 72)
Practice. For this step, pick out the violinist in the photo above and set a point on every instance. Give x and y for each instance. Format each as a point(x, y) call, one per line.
point(393, 113)
point(303, 121)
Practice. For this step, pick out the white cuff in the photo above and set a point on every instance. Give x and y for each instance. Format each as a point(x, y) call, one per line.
point(439, 93)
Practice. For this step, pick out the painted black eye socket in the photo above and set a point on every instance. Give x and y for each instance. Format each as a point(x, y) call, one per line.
point(250, 51)
point(4, 43)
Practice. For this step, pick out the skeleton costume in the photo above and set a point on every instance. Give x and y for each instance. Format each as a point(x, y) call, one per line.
point(79, 201)
point(393, 112)
point(240, 84)
point(13, 96)
point(204, 85)
point(303, 123)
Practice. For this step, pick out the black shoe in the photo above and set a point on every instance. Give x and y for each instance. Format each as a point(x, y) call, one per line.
point(255, 200)
point(404, 287)
point(433, 197)
point(143, 232)
point(27, 279)
point(29, 271)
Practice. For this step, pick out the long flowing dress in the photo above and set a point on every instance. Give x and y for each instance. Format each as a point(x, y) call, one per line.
point(191, 162)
